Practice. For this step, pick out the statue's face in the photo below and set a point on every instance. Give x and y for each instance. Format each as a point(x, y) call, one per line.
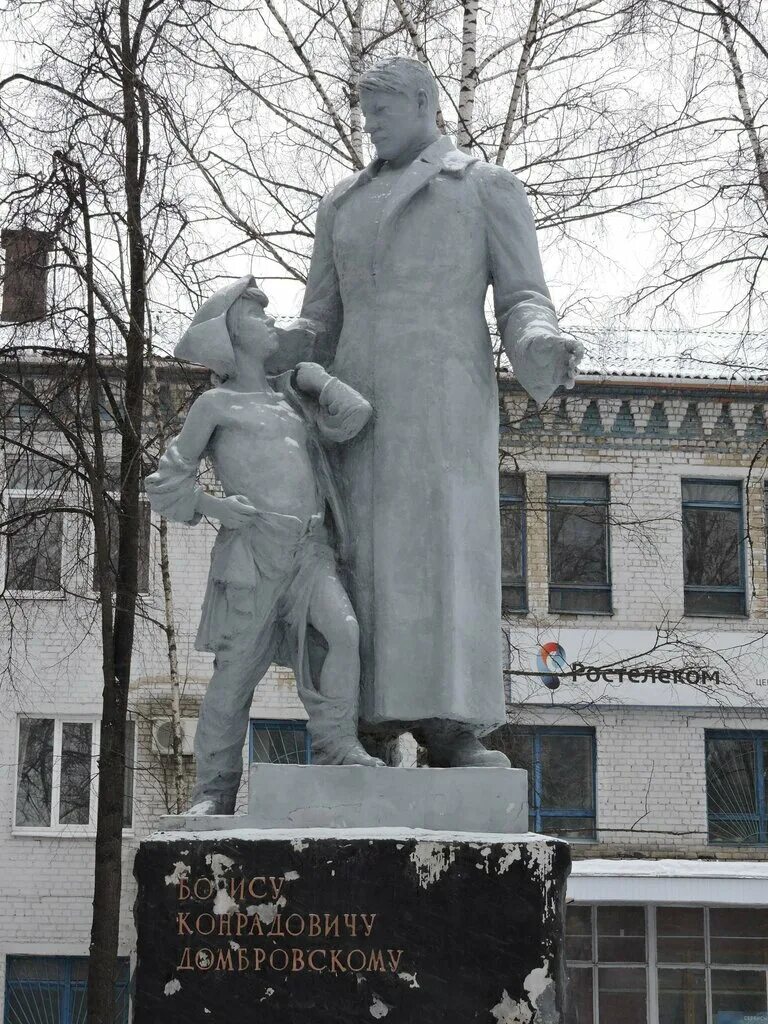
point(251, 330)
point(394, 121)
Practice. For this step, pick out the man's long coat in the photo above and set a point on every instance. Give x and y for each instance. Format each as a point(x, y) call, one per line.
point(398, 305)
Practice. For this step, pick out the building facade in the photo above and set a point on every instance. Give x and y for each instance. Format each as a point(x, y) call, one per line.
point(635, 607)
point(635, 596)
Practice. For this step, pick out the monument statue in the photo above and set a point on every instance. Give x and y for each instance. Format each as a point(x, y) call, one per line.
point(273, 592)
point(404, 252)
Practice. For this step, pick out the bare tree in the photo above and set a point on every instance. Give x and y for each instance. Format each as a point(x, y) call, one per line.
point(714, 79)
point(90, 169)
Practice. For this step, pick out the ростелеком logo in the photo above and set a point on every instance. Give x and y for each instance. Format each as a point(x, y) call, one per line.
point(551, 658)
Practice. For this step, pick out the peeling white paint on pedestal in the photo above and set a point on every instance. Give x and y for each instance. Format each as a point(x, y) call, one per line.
point(511, 856)
point(432, 860)
point(224, 904)
point(266, 912)
point(180, 870)
point(510, 1011)
point(378, 1009)
point(411, 978)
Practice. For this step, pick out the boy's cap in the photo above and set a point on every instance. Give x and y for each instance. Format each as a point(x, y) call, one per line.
point(207, 341)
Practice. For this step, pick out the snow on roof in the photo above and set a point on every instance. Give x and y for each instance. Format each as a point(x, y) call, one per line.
point(670, 354)
point(611, 353)
point(646, 868)
point(699, 883)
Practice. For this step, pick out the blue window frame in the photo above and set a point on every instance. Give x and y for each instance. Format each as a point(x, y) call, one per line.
point(714, 572)
point(560, 762)
point(579, 550)
point(52, 990)
point(513, 558)
point(736, 787)
point(279, 741)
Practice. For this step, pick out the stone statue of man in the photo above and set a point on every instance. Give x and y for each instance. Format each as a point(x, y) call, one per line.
point(404, 252)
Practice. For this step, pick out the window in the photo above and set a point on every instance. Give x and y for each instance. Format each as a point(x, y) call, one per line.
point(113, 537)
point(713, 548)
point(579, 578)
point(736, 787)
point(52, 990)
point(274, 741)
point(512, 512)
point(33, 545)
point(56, 774)
point(561, 776)
point(33, 530)
point(705, 965)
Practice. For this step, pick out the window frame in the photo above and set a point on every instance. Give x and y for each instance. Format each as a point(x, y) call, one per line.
point(29, 494)
point(540, 815)
point(289, 724)
point(701, 503)
point(521, 503)
point(535, 811)
point(653, 964)
point(56, 829)
point(66, 984)
point(584, 502)
point(760, 817)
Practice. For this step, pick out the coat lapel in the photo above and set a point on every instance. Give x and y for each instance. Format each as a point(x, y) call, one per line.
point(411, 181)
point(442, 155)
point(346, 188)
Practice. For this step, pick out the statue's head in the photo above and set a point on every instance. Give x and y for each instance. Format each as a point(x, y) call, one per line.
point(399, 102)
point(233, 321)
point(252, 331)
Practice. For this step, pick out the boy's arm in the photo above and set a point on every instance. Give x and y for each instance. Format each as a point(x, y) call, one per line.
point(342, 412)
point(173, 490)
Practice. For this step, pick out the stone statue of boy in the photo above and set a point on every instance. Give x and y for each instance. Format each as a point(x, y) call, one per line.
point(273, 590)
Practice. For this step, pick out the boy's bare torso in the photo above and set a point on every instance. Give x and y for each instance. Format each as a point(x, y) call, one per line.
point(259, 448)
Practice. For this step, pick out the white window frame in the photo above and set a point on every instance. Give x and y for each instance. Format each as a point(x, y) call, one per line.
point(56, 829)
point(30, 493)
point(652, 965)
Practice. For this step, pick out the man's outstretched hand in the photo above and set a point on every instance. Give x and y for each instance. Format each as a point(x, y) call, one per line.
point(542, 363)
point(575, 353)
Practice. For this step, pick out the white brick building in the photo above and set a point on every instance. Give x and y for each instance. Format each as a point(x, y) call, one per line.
point(622, 764)
point(669, 919)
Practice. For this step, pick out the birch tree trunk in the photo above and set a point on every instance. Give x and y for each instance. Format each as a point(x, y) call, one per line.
point(748, 114)
point(355, 70)
point(517, 87)
point(179, 776)
point(464, 138)
point(417, 40)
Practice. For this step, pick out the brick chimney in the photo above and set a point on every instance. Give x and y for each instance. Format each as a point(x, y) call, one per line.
point(25, 273)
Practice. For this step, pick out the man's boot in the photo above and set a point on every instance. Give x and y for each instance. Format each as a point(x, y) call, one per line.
point(453, 745)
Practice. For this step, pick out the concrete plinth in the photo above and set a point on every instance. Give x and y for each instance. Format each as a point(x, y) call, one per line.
point(343, 926)
point(338, 796)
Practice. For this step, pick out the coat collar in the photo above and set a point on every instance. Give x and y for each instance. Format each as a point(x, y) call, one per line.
point(441, 155)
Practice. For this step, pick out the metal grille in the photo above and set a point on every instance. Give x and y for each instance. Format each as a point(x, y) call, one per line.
point(279, 742)
point(52, 990)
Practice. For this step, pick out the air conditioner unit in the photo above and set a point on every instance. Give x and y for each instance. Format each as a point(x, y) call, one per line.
point(162, 736)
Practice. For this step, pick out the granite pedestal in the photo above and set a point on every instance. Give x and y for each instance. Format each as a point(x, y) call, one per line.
point(342, 924)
